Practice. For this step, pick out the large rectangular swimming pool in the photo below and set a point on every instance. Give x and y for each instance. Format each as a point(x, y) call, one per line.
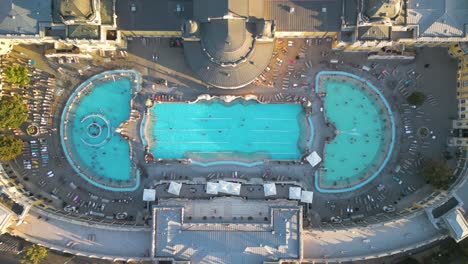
point(215, 130)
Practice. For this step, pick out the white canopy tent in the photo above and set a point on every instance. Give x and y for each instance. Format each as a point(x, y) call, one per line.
point(229, 187)
point(149, 195)
point(174, 188)
point(269, 189)
point(307, 197)
point(212, 188)
point(314, 159)
point(295, 193)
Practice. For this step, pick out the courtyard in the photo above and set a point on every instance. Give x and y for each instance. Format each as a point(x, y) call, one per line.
point(289, 78)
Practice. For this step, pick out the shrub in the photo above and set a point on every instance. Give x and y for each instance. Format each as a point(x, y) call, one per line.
point(438, 174)
point(17, 75)
point(10, 147)
point(416, 98)
point(13, 111)
point(34, 254)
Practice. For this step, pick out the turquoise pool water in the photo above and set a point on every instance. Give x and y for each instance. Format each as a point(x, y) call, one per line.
point(90, 119)
point(215, 130)
point(364, 128)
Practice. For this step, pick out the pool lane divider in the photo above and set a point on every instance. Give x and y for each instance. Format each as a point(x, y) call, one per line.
point(65, 112)
point(228, 162)
point(392, 142)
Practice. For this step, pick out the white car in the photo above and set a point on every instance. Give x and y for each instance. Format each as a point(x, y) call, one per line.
point(388, 209)
point(69, 209)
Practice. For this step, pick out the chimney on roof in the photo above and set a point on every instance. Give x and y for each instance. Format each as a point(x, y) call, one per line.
point(291, 9)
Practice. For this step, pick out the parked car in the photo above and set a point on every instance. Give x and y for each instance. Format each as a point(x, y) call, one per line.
point(397, 179)
point(388, 209)
point(69, 209)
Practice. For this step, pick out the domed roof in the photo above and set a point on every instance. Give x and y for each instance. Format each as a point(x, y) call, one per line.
point(190, 27)
point(226, 41)
point(228, 77)
point(233, 44)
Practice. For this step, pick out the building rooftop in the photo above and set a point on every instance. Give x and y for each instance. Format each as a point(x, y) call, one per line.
point(204, 9)
point(23, 16)
point(350, 12)
point(228, 77)
point(83, 32)
point(226, 40)
point(4, 216)
point(227, 207)
point(457, 224)
point(374, 32)
point(161, 15)
point(150, 15)
point(77, 10)
point(225, 45)
point(464, 47)
point(439, 18)
point(254, 242)
point(308, 16)
point(445, 207)
point(382, 9)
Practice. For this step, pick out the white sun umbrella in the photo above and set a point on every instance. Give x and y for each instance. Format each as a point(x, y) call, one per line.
point(314, 159)
point(307, 197)
point(229, 187)
point(269, 189)
point(223, 186)
point(234, 188)
point(295, 193)
point(212, 188)
point(174, 188)
point(149, 195)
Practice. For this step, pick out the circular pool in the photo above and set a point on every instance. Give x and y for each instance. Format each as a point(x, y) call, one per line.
point(364, 132)
point(89, 127)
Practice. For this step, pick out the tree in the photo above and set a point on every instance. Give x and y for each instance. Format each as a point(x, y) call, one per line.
point(17, 75)
point(438, 174)
point(10, 147)
point(416, 98)
point(13, 111)
point(34, 254)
